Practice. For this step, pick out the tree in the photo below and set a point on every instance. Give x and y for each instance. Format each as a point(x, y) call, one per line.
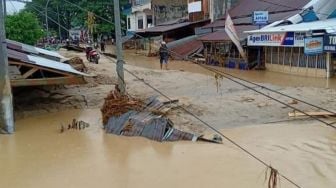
point(71, 16)
point(23, 27)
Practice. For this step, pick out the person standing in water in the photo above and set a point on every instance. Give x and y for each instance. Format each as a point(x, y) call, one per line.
point(164, 55)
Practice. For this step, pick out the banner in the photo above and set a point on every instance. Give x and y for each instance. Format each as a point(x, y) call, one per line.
point(195, 7)
point(231, 32)
point(276, 39)
point(313, 45)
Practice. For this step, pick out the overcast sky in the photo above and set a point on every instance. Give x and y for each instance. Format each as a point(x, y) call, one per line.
point(13, 6)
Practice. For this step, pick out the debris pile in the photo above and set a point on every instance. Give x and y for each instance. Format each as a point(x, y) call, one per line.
point(126, 116)
point(76, 125)
point(78, 64)
point(116, 104)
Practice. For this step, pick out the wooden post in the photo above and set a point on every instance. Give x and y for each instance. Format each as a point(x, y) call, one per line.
point(329, 66)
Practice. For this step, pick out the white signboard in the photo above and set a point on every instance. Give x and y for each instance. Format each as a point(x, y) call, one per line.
point(260, 17)
point(195, 7)
point(276, 39)
point(75, 34)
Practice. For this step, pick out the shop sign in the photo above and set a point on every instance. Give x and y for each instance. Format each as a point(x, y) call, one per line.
point(329, 44)
point(260, 17)
point(313, 45)
point(276, 39)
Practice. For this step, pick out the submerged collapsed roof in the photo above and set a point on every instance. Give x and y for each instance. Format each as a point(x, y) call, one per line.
point(328, 25)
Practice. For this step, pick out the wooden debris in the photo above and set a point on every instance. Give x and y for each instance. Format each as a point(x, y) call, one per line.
point(116, 104)
point(78, 64)
point(314, 114)
point(75, 124)
point(272, 176)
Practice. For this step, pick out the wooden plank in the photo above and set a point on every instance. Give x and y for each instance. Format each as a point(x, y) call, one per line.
point(30, 72)
point(41, 68)
point(315, 114)
point(14, 72)
point(73, 80)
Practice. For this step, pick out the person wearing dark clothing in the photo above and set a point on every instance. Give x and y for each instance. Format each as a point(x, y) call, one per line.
point(102, 46)
point(164, 55)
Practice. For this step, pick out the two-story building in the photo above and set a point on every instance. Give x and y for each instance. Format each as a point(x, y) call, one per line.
point(148, 13)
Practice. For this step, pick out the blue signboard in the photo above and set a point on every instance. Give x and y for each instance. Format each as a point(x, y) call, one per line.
point(260, 17)
point(313, 45)
point(288, 39)
point(329, 44)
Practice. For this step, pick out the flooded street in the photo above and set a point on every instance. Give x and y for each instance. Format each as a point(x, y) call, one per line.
point(38, 155)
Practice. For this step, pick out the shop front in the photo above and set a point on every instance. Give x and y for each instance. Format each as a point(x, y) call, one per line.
point(292, 52)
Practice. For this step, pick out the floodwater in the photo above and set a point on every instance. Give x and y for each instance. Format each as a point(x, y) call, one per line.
point(38, 155)
point(280, 79)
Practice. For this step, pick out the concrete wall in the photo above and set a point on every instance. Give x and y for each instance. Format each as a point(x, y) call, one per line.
point(217, 8)
point(169, 10)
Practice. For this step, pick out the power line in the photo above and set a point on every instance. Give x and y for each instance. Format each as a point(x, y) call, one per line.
point(209, 126)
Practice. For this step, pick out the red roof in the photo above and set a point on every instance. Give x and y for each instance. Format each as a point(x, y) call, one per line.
point(186, 49)
point(222, 36)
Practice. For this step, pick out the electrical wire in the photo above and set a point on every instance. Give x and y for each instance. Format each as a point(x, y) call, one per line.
point(205, 123)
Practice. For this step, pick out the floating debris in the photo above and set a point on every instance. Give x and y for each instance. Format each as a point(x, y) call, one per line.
point(142, 118)
point(77, 125)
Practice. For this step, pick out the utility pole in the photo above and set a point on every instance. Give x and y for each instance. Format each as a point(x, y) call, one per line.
point(5, 9)
point(6, 102)
point(46, 20)
point(59, 23)
point(120, 60)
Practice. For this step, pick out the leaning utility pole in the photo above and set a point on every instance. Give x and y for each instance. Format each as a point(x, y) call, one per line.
point(5, 9)
point(6, 102)
point(120, 60)
point(59, 23)
point(46, 20)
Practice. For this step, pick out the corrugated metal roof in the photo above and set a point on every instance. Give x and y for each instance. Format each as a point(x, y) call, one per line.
point(246, 7)
point(185, 49)
point(43, 62)
point(222, 36)
point(329, 25)
point(31, 49)
point(165, 28)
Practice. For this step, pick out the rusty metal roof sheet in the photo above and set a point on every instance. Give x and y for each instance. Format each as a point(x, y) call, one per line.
point(185, 49)
point(43, 62)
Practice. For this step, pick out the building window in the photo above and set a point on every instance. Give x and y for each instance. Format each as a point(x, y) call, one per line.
point(128, 23)
point(140, 23)
point(149, 20)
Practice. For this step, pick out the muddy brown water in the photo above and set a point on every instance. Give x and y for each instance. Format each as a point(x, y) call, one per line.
point(280, 79)
point(38, 155)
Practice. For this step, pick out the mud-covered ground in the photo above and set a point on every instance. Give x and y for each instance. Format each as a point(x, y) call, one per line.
point(221, 103)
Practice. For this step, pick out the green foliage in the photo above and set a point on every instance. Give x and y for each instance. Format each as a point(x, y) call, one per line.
point(71, 16)
point(23, 27)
